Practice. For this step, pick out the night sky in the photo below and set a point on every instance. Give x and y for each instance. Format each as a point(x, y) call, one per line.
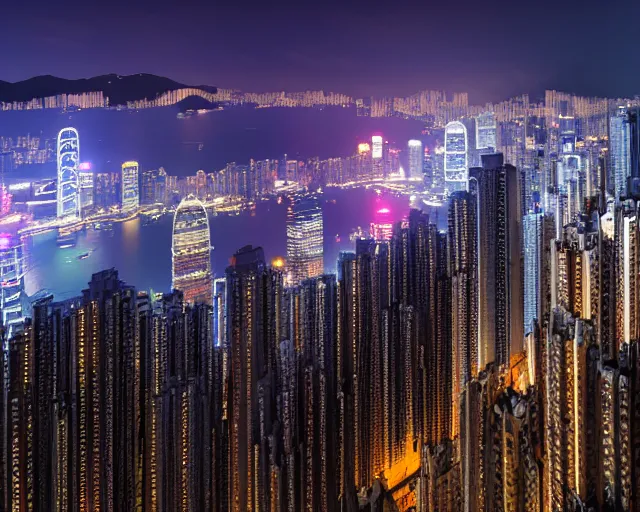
point(492, 49)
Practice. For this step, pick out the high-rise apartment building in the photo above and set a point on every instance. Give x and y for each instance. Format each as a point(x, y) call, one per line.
point(254, 313)
point(499, 239)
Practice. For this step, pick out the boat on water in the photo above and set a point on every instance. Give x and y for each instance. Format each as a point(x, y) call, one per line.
point(103, 226)
point(66, 240)
point(84, 256)
point(183, 115)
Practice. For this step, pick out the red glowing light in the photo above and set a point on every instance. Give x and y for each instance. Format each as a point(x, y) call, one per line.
point(384, 210)
point(84, 166)
point(5, 240)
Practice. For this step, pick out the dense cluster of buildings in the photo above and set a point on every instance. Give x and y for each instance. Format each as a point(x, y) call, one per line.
point(492, 365)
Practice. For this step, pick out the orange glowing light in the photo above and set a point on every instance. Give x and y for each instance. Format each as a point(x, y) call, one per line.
point(364, 147)
point(277, 262)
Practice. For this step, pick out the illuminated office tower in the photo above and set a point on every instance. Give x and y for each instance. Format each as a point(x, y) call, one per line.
point(254, 312)
point(130, 198)
point(620, 150)
point(456, 164)
point(153, 186)
point(486, 132)
point(201, 184)
point(499, 225)
point(191, 252)
point(378, 156)
point(304, 238)
point(464, 294)
point(12, 273)
point(376, 147)
point(85, 186)
point(415, 158)
point(68, 158)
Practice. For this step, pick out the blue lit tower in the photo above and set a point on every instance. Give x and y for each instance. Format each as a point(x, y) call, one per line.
point(191, 260)
point(532, 228)
point(619, 150)
point(455, 156)
point(68, 159)
point(634, 141)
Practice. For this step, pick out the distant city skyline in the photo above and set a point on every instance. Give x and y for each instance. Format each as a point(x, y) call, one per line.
point(368, 49)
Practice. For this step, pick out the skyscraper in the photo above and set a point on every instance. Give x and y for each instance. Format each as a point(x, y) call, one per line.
point(463, 268)
point(85, 185)
point(620, 150)
point(153, 186)
point(382, 226)
point(68, 199)
point(129, 187)
point(499, 225)
point(634, 138)
point(486, 132)
point(304, 238)
point(532, 227)
point(377, 156)
point(455, 156)
point(254, 309)
point(415, 159)
point(191, 252)
point(12, 272)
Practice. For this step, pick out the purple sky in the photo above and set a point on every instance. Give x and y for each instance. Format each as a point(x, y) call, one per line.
point(490, 48)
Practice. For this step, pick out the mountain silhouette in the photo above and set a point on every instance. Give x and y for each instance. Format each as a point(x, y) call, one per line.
point(118, 88)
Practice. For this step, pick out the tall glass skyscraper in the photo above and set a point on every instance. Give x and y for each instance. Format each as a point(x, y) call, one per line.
point(191, 252)
point(129, 185)
point(455, 156)
point(415, 159)
point(68, 200)
point(304, 238)
point(620, 150)
point(486, 131)
point(532, 225)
